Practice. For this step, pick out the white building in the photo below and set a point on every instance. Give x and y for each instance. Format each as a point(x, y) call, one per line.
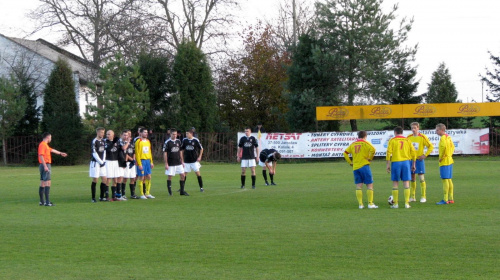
point(39, 58)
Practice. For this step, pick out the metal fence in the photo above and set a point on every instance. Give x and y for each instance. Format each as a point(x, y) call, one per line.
point(218, 147)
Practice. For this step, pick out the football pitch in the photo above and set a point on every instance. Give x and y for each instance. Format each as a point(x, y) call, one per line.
point(307, 227)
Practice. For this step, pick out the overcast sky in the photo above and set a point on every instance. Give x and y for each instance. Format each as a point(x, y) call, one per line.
point(457, 32)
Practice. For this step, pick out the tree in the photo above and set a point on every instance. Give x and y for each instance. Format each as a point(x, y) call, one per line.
point(85, 24)
point(197, 21)
point(194, 86)
point(12, 106)
point(28, 124)
point(251, 86)
point(60, 115)
point(313, 81)
point(401, 90)
point(359, 33)
point(442, 90)
point(124, 100)
point(294, 19)
point(156, 70)
point(492, 81)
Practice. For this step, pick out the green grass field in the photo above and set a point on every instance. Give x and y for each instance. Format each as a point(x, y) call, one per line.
point(307, 227)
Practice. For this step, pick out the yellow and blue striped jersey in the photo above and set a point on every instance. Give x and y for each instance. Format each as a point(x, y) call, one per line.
point(420, 142)
point(362, 153)
point(446, 149)
point(400, 148)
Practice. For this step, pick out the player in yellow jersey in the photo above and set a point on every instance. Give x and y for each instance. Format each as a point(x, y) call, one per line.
point(420, 142)
point(144, 159)
point(446, 149)
point(401, 156)
point(362, 154)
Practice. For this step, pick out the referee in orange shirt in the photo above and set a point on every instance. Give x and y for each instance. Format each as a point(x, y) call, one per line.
point(45, 160)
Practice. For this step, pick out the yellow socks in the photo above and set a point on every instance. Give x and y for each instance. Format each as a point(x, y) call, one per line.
point(407, 195)
point(141, 188)
point(450, 189)
point(359, 196)
point(446, 188)
point(395, 194)
point(148, 186)
point(369, 194)
point(423, 186)
point(413, 188)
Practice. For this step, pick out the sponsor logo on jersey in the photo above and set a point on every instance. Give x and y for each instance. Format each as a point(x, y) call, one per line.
point(174, 149)
point(189, 148)
point(248, 144)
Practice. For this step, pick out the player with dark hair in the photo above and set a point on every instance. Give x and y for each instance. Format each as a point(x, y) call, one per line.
point(362, 154)
point(173, 161)
point(45, 160)
point(446, 149)
point(123, 145)
point(192, 152)
point(130, 171)
point(420, 142)
point(400, 156)
point(144, 160)
point(248, 149)
point(112, 167)
point(97, 164)
point(268, 159)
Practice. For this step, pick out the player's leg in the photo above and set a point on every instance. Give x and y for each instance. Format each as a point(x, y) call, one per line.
point(147, 180)
point(359, 195)
point(253, 175)
point(169, 183)
point(272, 172)
point(395, 177)
point(406, 177)
point(444, 172)
point(395, 194)
point(200, 181)
point(264, 174)
point(243, 174)
point(182, 182)
point(423, 188)
point(367, 178)
point(450, 184)
point(413, 187)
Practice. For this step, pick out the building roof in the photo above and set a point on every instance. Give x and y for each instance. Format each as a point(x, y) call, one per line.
point(85, 68)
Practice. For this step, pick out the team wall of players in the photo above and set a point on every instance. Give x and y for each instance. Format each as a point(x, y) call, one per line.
point(118, 159)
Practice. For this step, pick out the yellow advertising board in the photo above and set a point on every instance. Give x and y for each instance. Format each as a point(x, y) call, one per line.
point(401, 111)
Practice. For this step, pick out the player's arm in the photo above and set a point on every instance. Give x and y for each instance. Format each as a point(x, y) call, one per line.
point(347, 158)
point(388, 156)
point(201, 150)
point(274, 166)
point(256, 151)
point(58, 153)
point(138, 153)
point(270, 167)
point(240, 150)
point(182, 157)
point(371, 152)
point(165, 158)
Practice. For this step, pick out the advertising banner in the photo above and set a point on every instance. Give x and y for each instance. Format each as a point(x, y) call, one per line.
point(399, 111)
point(333, 144)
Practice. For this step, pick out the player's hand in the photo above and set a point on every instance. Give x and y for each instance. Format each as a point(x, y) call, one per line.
point(166, 166)
point(152, 166)
point(239, 159)
point(199, 159)
point(64, 154)
point(350, 164)
point(413, 168)
point(388, 169)
point(140, 167)
point(422, 157)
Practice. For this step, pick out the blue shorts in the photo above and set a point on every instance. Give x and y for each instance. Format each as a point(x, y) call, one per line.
point(420, 167)
point(401, 170)
point(363, 175)
point(146, 168)
point(446, 171)
point(45, 175)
